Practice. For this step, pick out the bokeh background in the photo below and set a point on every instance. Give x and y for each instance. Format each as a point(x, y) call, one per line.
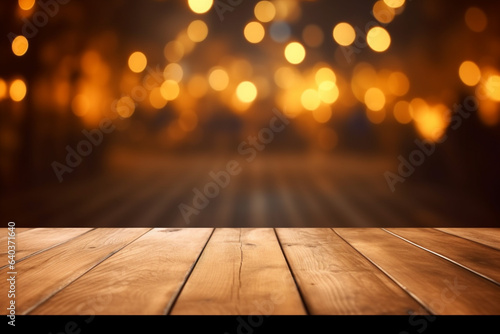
point(180, 85)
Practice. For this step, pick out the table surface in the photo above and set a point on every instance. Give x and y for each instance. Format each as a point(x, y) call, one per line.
point(230, 271)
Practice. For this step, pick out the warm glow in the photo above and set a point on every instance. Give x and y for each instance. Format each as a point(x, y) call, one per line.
point(378, 39)
point(286, 77)
point(492, 87)
point(197, 31)
point(218, 79)
point(156, 98)
point(295, 53)
point(264, 11)
point(197, 86)
point(310, 99)
point(403, 112)
point(325, 74)
point(254, 32)
point(169, 90)
point(374, 99)
point(17, 90)
point(322, 115)
point(312, 35)
point(173, 71)
point(246, 92)
point(3, 89)
point(476, 19)
point(431, 122)
point(26, 4)
point(394, 3)
point(469, 73)
point(80, 105)
point(125, 107)
point(174, 51)
point(328, 92)
point(375, 117)
point(382, 12)
point(20, 45)
point(137, 62)
point(398, 83)
point(344, 34)
point(200, 6)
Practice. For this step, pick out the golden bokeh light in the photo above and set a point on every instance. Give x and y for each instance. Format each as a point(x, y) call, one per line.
point(312, 35)
point(218, 79)
point(430, 121)
point(26, 4)
point(200, 6)
point(295, 53)
point(403, 112)
point(322, 114)
point(344, 34)
point(492, 87)
point(170, 90)
point(173, 71)
point(17, 90)
point(383, 13)
point(125, 107)
point(378, 39)
point(264, 11)
point(469, 73)
point(174, 50)
point(394, 3)
point(197, 86)
point(324, 74)
point(488, 112)
point(20, 45)
point(80, 105)
point(254, 32)
point(328, 92)
point(197, 31)
point(246, 92)
point(476, 19)
point(286, 77)
point(398, 83)
point(310, 99)
point(376, 117)
point(156, 98)
point(137, 62)
point(374, 99)
point(3, 89)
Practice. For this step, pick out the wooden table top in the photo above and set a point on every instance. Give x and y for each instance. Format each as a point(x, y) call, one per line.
point(230, 271)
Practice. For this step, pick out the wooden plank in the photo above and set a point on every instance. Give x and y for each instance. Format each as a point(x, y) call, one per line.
point(37, 240)
point(485, 236)
point(241, 271)
point(441, 286)
point(43, 275)
point(141, 279)
point(336, 280)
point(479, 258)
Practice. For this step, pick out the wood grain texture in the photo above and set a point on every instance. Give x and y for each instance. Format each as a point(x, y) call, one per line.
point(141, 279)
point(474, 256)
point(241, 271)
point(485, 236)
point(335, 279)
point(441, 286)
point(37, 240)
point(45, 274)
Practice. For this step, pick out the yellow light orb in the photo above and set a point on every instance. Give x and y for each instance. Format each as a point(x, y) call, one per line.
point(254, 32)
point(374, 99)
point(20, 45)
point(322, 115)
point(200, 6)
point(492, 87)
point(125, 107)
point(156, 99)
point(394, 3)
point(310, 99)
point(218, 79)
point(26, 4)
point(137, 62)
point(382, 12)
point(174, 72)
point(324, 74)
point(246, 92)
point(403, 112)
point(197, 31)
point(264, 11)
point(398, 83)
point(174, 50)
point(328, 92)
point(378, 39)
point(295, 53)
point(169, 90)
point(344, 34)
point(17, 90)
point(469, 73)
